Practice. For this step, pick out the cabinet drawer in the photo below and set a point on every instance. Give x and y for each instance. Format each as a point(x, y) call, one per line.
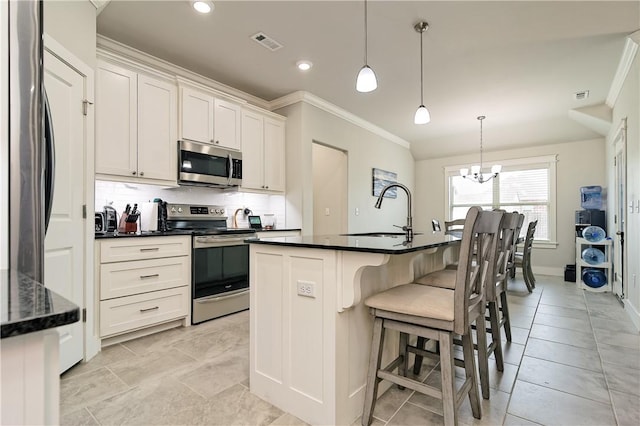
point(142, 276)
point(142, 310)
point(124, 249)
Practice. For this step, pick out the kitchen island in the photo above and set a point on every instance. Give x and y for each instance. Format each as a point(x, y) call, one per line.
point(310, 330)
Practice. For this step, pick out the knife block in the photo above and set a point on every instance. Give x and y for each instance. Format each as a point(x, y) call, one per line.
point(127, 227)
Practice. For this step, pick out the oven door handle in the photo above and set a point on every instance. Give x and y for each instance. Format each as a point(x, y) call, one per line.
point(211, 299)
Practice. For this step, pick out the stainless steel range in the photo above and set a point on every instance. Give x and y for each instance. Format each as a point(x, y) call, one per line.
point(219, 260)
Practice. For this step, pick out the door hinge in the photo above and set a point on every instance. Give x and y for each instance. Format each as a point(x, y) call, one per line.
point(615, 160)
point(84, 314)
point(84, 211)
point(85, 105)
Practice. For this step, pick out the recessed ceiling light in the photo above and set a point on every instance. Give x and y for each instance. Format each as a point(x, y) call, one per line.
point(202, 6)
point(304, 65)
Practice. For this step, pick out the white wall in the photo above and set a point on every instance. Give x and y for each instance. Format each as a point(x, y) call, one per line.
point(121, 194)
point(366, 150)
point(628, 105)
point(73, 24)
point(579, 164)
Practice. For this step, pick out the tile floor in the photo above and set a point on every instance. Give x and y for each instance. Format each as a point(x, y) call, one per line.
point(574, 360)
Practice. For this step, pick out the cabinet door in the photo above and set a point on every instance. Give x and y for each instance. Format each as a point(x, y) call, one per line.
point(252, 150)
point(197, 116)
point(157, 136)
point(226, 130)
point(274, 177)
point(116, 120)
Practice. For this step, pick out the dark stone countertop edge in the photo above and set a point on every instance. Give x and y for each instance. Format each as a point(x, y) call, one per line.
point(35, 308)
point(109, 235)
point(343, 247)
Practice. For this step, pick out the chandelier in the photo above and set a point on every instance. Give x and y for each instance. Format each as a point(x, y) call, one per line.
point(476, 171)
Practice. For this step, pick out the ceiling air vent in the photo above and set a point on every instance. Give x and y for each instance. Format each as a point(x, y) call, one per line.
point(580, 96)
point(266, 41)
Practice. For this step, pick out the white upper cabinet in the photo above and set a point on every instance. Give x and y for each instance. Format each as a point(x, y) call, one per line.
point(136, 122)
point(262, 152)
point(210, 120)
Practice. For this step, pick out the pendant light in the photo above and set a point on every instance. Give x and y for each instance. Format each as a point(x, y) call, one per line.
point(476, 171)
point(366, 81)
point(422, 113)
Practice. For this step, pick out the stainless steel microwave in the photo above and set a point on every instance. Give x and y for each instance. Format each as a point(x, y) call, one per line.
point(207, 165)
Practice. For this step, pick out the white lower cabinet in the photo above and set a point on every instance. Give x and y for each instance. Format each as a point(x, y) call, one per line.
point(143, 282)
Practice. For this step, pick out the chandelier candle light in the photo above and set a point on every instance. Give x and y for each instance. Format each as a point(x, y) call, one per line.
point(366, 81)
point(476, 171)
point(422, 113)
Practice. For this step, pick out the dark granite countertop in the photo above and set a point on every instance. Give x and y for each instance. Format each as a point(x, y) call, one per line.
point(172, 233)
point(389, 244)
point(26, 306)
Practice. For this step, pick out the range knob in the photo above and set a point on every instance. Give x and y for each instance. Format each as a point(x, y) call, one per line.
point(217, 211)
point(173, 209)
point(221, 211)
point(179, 209)
point(212, 211)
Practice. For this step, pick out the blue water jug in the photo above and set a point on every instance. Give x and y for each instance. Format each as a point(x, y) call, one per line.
point(591, 197)
point(593, 256)
point(594, 278)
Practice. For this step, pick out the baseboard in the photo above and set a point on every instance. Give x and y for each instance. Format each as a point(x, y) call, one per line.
point(548, 270)
point(633, 313)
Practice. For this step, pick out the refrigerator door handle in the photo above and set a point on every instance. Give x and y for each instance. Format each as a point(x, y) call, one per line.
point(50, 161)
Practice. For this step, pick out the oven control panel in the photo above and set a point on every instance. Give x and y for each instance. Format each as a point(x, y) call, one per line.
point(195, 211)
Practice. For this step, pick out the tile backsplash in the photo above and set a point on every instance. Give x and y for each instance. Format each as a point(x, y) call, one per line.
point(120, 194)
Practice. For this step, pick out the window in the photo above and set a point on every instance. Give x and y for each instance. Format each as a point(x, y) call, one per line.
point(526, 185)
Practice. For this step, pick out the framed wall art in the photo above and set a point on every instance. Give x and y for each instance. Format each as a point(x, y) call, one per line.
point(382, 178)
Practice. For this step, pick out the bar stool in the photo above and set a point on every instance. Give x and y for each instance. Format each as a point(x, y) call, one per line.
point(516, 236)
point(494, 287)
point(453, 226)
point(523, 259)
point(436, 313)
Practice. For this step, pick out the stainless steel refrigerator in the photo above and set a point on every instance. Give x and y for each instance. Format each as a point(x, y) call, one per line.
point(28, 139)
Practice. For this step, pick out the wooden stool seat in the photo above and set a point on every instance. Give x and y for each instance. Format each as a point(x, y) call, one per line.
point(445, 278)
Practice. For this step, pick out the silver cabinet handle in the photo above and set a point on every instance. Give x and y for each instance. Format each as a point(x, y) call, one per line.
point(133, 173)
point(150, 309)
point(142, 277)
point(141, 173)
point(150, 249)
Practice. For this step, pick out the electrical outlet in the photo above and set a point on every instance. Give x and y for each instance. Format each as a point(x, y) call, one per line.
point(327, 212)
point(307, 289)
point(357, 211)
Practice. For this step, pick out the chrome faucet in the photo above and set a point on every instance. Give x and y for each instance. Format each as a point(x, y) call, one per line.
point(408, 229)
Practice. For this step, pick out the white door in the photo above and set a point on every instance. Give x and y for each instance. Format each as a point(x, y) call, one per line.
point(620, 170)
point(64, 242)
point(330, 206)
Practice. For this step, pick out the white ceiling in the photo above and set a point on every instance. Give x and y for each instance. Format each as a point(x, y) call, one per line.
point(516, 62)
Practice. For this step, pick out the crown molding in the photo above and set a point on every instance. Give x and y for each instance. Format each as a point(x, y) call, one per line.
point(112, 48)
point(628, 55)
point(308, 98)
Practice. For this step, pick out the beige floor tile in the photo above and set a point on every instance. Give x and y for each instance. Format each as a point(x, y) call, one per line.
point(152, 366)
point(522, 321)
point(213, 344)
point(81, 417)
point(107, 356)
point(564, 354)
point(606, 312)
point(411, 414)
point(511, 353)
point(563, 322)
point(551, 407)
point(574, 301)
point(288, 420)
point(560, 311)
point(528, 299)
point(622, 379)
point(616, 338)
point(96, 385)
point(156, 341)
point(493, 410)
point(619, 355)
point(219, 374)
point(560, 335)
point(576, 381)
point(518, 335)
point(511, 420)
point(390, 402)
point(163, 401)
point(520, 310)
point(627, 408)
point(613, 325)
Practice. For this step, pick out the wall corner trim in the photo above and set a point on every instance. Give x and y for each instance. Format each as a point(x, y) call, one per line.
point(316, 101)
point(628, 55)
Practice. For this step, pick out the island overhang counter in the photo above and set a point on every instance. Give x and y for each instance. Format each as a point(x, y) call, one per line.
point(310, 332)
